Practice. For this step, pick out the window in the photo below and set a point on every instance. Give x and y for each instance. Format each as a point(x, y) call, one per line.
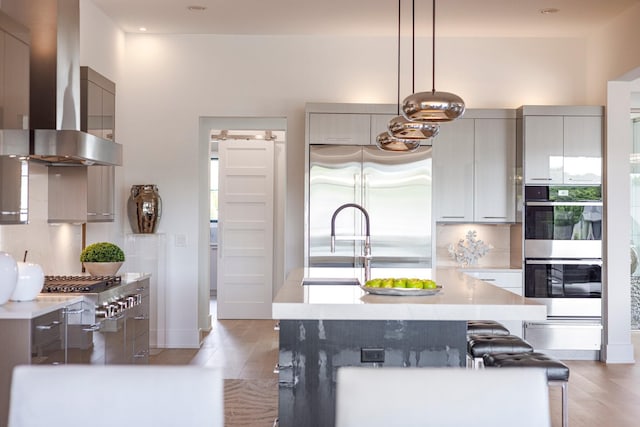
point(213, 190)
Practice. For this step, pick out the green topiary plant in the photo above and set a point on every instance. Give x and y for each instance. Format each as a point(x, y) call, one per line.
point(102, 252)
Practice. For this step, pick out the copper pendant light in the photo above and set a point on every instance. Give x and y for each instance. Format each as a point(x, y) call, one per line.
point(403, 134)
point(433, 106)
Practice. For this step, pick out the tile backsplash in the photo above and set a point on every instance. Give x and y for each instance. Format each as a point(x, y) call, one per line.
point(499, 236)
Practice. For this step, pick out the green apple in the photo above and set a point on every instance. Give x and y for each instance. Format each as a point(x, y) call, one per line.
point(373, 283)
point(429, 284)
point(400, 283)
point(414, 283)
point(387, 283)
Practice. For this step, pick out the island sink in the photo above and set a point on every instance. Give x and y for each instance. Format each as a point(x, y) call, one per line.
point(312, 281)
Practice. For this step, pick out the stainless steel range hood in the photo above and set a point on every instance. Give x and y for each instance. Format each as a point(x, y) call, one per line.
point(56, 137)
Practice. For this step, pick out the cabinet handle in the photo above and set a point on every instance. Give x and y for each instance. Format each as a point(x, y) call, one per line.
point(494, 217)
point(140, 289)
point(93, 328)
point(73, 310)
point(9, 213)
point(279, 367)
point(141, 354)
point(452, 217)
point(92, 214)
point(541, 179)
point(143, 317)
point(49, 326)
point(580, 180)
point(488, 280)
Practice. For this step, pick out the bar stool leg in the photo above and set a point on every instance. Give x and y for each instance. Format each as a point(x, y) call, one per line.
point(565, 404)
point(565, 400)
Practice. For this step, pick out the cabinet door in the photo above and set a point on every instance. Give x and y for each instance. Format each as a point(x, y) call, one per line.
point(543, 150)
point(100, 193)
point(2, 101)
point(14, 190)
point(108, 115)
point(343, 129)
point(67, 194)
point(94, 109)
point(453, 172)
point(494, 190)
point(15, 110)
point(582, 150)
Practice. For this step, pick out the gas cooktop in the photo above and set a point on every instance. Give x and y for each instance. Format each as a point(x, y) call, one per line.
point(80, 283)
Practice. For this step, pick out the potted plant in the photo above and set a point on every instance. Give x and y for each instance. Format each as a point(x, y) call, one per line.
point(102, 258)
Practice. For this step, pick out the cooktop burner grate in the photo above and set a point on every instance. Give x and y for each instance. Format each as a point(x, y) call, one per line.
point(79, 283)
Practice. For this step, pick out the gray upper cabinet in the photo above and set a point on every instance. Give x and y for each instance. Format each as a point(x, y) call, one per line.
point(562, 145)
point(474, 168)
point(14, 121)
point(453, 171)
point(340, 129)
point(15, 104)
point(100, 193)
point(97, 95)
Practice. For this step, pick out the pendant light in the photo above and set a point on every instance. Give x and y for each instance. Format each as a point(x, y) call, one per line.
point(432, 106)
point(403, 134)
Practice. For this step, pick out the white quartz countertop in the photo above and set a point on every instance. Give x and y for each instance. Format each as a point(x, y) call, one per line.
point(462, 298)
point(46, 303)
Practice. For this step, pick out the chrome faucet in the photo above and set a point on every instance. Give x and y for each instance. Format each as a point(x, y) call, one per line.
point(367, 237)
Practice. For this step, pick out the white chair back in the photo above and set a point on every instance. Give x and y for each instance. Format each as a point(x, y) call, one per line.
point(408, 397)
point(122, 395)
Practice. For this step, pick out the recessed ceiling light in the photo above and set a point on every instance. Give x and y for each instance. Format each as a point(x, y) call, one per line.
point(143, 29)
point(196, 8)
point(549, 10)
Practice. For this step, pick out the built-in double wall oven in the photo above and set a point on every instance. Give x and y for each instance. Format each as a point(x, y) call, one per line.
point(563, 266)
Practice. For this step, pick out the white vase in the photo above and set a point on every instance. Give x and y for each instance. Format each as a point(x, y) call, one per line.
point(30, 282)
point(102, 268)
point(8, 276)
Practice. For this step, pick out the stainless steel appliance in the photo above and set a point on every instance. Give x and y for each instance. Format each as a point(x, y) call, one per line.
point(563, 268)
point(395, 189)
point(112, 326)
point(562, 222)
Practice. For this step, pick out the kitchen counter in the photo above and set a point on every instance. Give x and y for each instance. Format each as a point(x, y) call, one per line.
point(324, 327)
point(462, 298)
point(46, 302)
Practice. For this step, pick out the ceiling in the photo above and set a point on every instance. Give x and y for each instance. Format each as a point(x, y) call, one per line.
point(464, 18)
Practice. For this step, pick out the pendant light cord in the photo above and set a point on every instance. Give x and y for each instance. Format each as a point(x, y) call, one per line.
point(399, 12)
point(413, 46)
point(433, 49)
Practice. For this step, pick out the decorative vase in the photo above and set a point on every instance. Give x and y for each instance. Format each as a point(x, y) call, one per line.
point(102, 268)
point(634, 259)
point(8, 276)
point(144, 208)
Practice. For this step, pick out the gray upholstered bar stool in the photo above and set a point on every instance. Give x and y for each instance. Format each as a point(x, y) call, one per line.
point(486, 327)
point(479, 345)
point(557, 372)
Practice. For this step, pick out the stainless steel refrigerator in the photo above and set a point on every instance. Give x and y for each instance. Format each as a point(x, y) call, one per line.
point(395, 189)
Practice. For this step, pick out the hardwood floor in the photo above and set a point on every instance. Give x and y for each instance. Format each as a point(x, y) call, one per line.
point(247, 351)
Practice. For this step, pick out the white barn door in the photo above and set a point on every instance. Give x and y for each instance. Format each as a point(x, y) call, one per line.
point(245, 229)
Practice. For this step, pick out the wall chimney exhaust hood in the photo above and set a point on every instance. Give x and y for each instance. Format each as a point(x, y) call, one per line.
point(55, 136)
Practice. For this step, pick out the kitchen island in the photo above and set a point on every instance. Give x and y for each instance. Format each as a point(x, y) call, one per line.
point(326, 326)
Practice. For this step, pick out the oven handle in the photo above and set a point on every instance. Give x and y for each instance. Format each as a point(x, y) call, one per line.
point(564, 324)
point(555, 261)
point(544, 203)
